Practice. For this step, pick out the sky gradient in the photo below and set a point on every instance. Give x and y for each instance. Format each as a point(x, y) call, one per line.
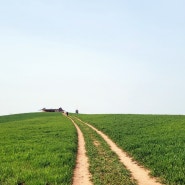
point(123, 56)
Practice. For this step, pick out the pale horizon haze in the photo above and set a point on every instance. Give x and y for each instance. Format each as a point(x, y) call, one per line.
point(101, 56)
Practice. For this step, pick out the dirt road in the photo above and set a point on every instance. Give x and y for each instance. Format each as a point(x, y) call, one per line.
point(139, 173)
point(81, 172)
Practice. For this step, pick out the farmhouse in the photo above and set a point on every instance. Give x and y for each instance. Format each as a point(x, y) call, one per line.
point(53, 110)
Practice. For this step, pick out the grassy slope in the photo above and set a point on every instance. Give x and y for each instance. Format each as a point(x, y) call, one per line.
point(156, 141)
point(37, 148)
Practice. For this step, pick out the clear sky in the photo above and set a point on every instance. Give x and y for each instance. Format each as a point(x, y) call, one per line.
point(100, 56)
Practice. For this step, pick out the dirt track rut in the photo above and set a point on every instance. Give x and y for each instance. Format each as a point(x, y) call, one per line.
point(81, 173)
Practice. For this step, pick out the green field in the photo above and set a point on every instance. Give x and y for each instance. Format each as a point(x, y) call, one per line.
point(37, 149)
point(40, 148)
point(156, 141)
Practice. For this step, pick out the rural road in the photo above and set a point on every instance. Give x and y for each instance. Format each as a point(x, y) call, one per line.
point(139, 173)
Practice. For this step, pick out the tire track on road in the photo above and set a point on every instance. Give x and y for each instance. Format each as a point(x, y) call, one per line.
point(82, 175)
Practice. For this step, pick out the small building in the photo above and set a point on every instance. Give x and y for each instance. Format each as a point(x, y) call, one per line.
point(53, 110)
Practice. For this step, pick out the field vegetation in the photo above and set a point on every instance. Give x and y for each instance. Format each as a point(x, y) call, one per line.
point(156, 141)
point(37, 149)
point(40, 148)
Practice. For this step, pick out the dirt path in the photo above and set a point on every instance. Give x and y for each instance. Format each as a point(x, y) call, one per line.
point(140, 174)
point(81, 172)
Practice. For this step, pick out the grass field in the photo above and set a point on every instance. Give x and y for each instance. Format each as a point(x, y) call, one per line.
point(37, 149)
point(40, 148)
point(156, 141)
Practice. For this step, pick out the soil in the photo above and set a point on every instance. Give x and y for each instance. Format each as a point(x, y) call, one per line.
point(139, 173)
point(82, 175)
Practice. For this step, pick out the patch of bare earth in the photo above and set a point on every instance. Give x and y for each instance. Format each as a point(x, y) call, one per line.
point(81, 173)
point(96, 143)
point(139, 173)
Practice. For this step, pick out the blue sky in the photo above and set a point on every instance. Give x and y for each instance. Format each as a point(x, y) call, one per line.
point(98, 56)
